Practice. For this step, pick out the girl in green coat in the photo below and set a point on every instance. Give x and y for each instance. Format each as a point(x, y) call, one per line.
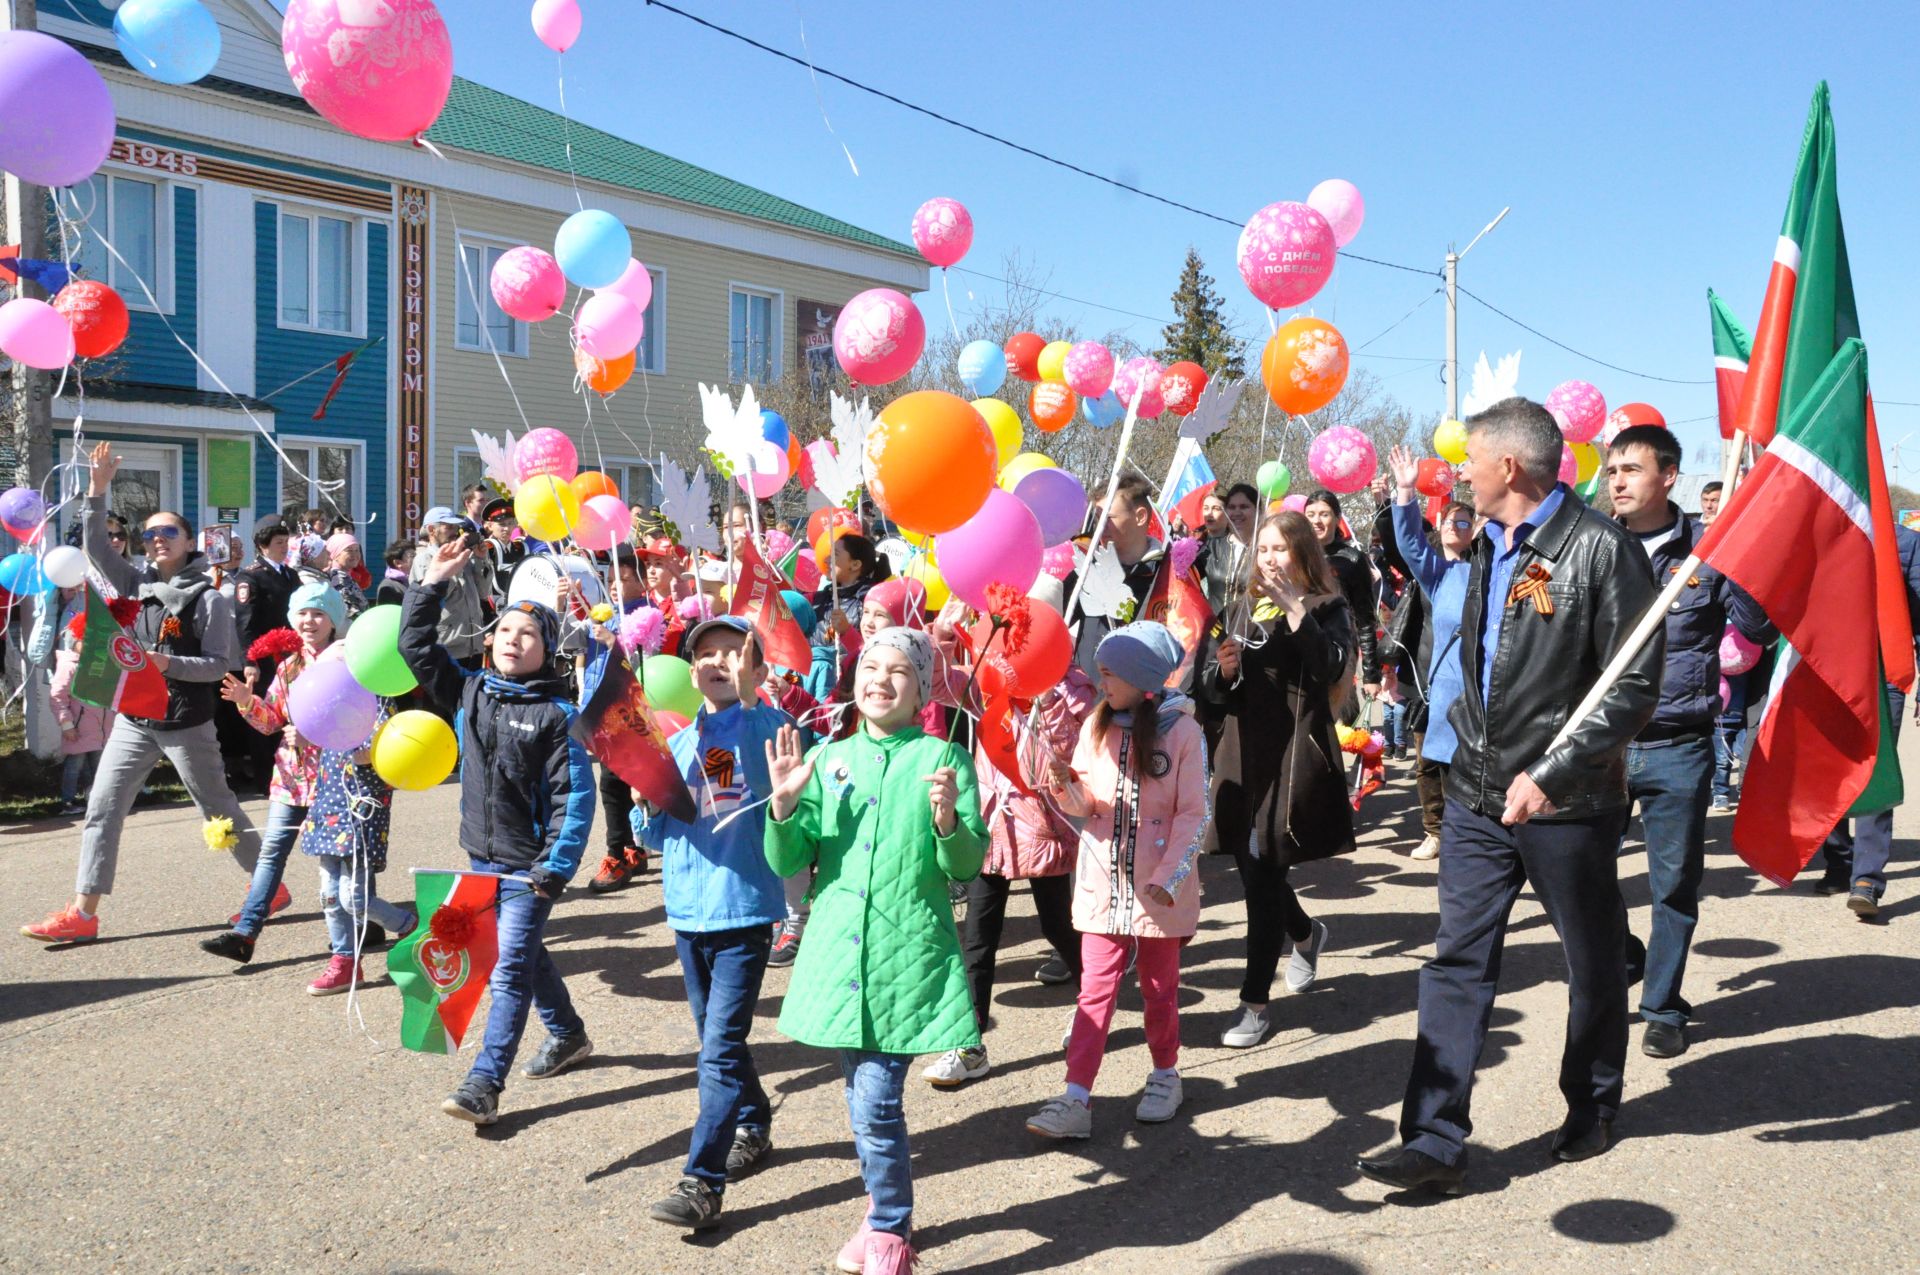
point(887, 817)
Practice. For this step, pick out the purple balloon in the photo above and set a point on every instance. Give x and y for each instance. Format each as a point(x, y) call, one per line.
point(21, 509)
point(56, 116)
point(330, 708)
point(1058, 501)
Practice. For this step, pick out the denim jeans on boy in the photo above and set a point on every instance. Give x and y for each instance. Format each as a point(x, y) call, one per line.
point(1729, 733)
point(524, 978)
point(723, 969)
point(276, 843)
point(347, 898)
point(876, 1084)
point(1671, 783)
point(76, 772)
point(1393, 724)
point(1862, 854)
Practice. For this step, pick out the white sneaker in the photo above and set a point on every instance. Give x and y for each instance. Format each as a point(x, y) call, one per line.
point(1160, 1100)
point(1066, 1033)
point(1249, 1029)
point(1304, 965)
point(1063, 1118)
point(1428, 849)
point(956, 1067)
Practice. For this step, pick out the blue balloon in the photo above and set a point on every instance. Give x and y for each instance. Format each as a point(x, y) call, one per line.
point(773, 428)
point(983, 367)
point(20, 573)
point(1106, 411)
point(593, 248)
point(172, 41)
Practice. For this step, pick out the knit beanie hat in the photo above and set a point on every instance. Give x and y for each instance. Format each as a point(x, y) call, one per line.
point(917, 647)
point(549, 621)
point(315, 596)
point(905, 600)
point(1142, 654)
point(803, 612)
point(339, 542)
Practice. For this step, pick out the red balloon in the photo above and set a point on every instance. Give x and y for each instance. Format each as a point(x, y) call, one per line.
point(1181, 386)
point(835, 515)
point(1640, 414)
point(97, 315)
point(1436, 478)
point(1039, 664)
point(1023, 355)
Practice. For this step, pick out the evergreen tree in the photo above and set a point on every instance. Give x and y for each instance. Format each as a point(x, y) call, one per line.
point(1199, 333)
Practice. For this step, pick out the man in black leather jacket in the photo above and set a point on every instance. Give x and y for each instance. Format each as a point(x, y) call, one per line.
point(1555, 590)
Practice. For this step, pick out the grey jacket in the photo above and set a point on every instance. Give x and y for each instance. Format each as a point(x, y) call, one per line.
point(463, 609)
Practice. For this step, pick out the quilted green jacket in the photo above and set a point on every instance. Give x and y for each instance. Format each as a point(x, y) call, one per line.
point(880, 969)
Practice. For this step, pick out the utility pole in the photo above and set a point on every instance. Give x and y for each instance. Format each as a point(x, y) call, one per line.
point(32, 424)
point(1453, 315)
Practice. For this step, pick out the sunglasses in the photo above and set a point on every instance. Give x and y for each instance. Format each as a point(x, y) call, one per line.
point(116, 535)
point(1462, 524)
point(159, 533)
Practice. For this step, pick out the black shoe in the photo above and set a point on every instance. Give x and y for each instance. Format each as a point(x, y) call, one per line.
point(477, 1101)
point(1410, 1170)
point(786, 948)
point(1570, 1147)
point(1054, 971)
point(556, 1054)
point(231, 944)
point(691, 1203)
point(1833, 883)
point(1636, 959)
point(374, 939)
point(1863, 901)
point(750, 1148)
point(1663, 1040)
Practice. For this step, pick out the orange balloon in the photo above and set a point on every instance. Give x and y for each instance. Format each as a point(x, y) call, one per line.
point(932, 461)
point(603, 376)
point(1304, 365)
point(591, 482)
point(1052, 404)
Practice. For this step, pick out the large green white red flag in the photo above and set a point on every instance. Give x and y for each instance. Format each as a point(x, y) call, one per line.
point(1732, 347)
point(443, 966)
point(114, 672)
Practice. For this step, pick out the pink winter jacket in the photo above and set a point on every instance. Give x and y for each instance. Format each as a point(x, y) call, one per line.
point(1166, 817)
point(1032, 836)
point(90, 725)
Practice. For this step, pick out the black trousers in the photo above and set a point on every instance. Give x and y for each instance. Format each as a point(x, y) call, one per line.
point(1571, 866)
point(987, 916)
point(1274, 915)
point(616, 805)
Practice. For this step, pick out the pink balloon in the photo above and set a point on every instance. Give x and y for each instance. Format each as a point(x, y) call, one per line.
point(1579, 409)
point(36, 334)
point(879, 336)
point(378, 70)
point(528, 284)
point(1569, 465)
point(557, 23)
point(546, 451)
point(1286, 254)
point(1294, 503)
point(635, 284)
point(1726, 694)
point(1737, 654)
point(1057, 561)
point(1340, 203)
point(608, 326)
point(1342, 459)
point(1089, 369)
point(767, 473)
point(1142, 374)
point(1000, 544)
point(605, 521)
point(942, 230)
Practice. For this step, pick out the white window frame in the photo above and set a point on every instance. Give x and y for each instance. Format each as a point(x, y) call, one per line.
point(776, 364)
point(483, 294)
point(627, 465)
point(359, 451)
point(163, 235)
point(170, 457)
point(313, 212)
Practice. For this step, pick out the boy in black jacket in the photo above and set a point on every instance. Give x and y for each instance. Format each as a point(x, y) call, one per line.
point(526, 807)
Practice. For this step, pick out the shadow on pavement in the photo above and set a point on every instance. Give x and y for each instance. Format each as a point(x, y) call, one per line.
point(1838, 1088)
point(31, 1000)
point(1613, 1221)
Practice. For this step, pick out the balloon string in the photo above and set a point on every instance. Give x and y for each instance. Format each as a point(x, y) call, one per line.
point(473, 295)
point(818, 98)
point(948, 296)
point(566, 125)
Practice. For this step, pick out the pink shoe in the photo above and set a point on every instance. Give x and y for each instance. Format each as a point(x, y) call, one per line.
point(888, 1254)
point(853, 1254)
point(339, 975)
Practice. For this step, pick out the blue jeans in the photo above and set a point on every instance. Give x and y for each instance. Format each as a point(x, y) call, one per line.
point(524, 978)
point(1729, 736)
point(876, 1084)
point(1671, 782)
point(347, 899)
point(1394, 725)
point(1862, 853)
point(723, 971)
point(276, 843)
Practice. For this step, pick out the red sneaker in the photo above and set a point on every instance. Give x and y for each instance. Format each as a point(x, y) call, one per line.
point(64, 926)
point(340, 974)
point(614, 870)
point(282, 900)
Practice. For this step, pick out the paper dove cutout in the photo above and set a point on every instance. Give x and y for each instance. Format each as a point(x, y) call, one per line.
point(684, 503)
point(496, 460)
point(850, 427)
point(1209, 415)
point(733, 433)
point(1103, 586)
point(1489, 385)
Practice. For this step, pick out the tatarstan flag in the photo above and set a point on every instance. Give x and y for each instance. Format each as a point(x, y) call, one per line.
point(114, 671)
point(443, 966)
point(1732, 347)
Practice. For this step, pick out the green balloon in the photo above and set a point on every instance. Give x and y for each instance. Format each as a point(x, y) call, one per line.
point(1273, 480)
point(373, 652)
point(668, 682)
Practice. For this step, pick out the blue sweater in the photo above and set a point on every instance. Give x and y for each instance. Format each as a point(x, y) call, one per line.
point(1444, 582)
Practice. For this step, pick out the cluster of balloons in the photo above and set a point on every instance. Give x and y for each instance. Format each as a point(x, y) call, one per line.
point(1287, 249)
point(86, 319)
point(593, 250)
point(335, 702)
point(554, 500)
point(379, 71)
point(1070, 375)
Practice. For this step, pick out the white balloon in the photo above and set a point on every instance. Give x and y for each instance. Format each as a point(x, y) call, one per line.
point(64, 566)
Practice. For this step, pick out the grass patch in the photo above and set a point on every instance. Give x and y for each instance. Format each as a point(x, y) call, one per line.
point(30, 788)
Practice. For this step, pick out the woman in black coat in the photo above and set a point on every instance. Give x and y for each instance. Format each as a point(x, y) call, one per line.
point(1355, 576)
point(1284, 671)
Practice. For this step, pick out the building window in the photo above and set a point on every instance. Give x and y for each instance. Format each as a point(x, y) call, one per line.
point(308, 484)
point(318, 270)
point(752, 336)
point(130, 213)
point(652, 353)
point(509, 335)
point(635, 481)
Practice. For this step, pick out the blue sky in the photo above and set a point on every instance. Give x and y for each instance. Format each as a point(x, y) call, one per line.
point(1646, 151)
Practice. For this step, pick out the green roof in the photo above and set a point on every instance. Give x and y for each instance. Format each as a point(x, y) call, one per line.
point(489, 122)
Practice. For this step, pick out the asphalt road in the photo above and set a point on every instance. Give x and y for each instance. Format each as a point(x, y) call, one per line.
point(165, 1112)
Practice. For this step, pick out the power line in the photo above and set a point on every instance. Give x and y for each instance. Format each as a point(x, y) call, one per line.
point(1648, 376)
point(1133, 314)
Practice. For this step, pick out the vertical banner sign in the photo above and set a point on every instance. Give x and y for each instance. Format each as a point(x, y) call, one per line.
point(814, 322)
point(416, 258)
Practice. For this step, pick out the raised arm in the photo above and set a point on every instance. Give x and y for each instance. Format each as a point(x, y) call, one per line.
point(440, 674)
point(101, 554)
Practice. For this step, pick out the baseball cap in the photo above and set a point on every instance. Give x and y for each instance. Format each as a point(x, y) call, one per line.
point(731, 623)
point(442, 514)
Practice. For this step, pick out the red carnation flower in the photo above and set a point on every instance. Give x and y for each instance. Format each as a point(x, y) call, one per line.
point(276, 644)
point(452, 924)
point(125, 610)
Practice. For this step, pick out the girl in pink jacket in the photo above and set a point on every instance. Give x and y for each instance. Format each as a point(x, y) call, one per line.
point(1139, 778)
point(83, 728)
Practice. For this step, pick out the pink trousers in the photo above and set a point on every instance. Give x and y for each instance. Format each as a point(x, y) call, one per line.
point(1103, 959)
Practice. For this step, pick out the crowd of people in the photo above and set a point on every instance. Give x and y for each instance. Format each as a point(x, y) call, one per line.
point(840, 809)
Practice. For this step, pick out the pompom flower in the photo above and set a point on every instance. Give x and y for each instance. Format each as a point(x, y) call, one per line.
point(125, 610)
point(1183, 553)
point(643, 631)
point(695, 608)
point(218, 833)
point(601, 613)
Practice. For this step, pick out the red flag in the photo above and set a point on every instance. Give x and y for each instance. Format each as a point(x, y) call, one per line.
point(1179, 601)
point(757, 597)
point(617, 726)
point(340, 366)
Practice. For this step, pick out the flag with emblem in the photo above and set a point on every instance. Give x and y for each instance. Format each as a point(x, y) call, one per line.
point(114, 671)
point(443, 966)
point(1178, 599)
point(757, 597)
point(1731, 349)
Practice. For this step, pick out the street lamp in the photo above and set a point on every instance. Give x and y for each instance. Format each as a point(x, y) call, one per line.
point(1453, 316)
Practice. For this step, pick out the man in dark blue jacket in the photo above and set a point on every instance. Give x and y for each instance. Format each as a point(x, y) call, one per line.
point(1670, 762)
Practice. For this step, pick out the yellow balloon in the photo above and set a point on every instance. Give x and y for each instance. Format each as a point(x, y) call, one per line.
point(923, 569)
point(1587, 457)
point(1450, 442)
point(547, 508)
point(1005, 424)
point(1053, 360)
point(414, 750)
point(1020, 466)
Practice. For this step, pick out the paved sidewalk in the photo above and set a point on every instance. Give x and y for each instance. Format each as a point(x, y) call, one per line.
point(165, 1112)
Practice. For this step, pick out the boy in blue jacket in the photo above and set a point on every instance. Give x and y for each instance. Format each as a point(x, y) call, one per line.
point(721, 899)
point(526, 806)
